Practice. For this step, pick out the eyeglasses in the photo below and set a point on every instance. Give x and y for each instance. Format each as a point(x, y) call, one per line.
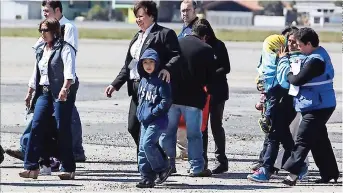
point(43, 30)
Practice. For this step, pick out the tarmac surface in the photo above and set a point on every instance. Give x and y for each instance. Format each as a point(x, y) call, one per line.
point(111, 163)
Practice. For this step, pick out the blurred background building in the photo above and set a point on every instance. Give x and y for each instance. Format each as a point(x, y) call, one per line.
point(236, 12)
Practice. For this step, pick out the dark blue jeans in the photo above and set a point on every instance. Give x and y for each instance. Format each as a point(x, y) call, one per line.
point(76, 131)
point(282, 116)
point(45, 106)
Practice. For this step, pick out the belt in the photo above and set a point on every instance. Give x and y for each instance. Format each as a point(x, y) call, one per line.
point(45, 88)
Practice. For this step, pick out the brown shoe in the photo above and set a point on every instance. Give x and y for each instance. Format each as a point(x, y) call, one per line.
point(29, 174)
point(15, 153)
point(67, 176)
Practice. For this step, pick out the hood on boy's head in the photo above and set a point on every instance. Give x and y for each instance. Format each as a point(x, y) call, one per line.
point(148, 54)
point(273, 43)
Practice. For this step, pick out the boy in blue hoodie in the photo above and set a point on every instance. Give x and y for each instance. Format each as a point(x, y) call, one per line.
point(154, 97)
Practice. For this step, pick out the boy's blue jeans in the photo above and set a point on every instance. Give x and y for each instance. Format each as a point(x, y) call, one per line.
point(193, 119)
point(151, 158)
point(76, 130)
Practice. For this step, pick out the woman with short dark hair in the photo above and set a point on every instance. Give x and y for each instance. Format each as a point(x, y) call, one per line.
point(55, 85)
point(150, 35)
point(149, 7)
point(316, 101)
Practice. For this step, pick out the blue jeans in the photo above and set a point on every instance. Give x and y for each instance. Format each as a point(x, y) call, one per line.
point(45, 106)
point(151, 158)
point(193, 119)
point(76, 131)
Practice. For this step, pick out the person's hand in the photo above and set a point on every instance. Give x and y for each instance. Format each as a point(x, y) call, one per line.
point(62, 96)
point(109, 90)
point(165, 75)
point(282, 52)
point(28, 100)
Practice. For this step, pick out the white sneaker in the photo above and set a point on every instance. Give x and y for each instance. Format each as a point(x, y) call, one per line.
point(45, 171)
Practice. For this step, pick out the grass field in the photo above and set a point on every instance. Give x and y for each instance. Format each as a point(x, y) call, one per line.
point(122, 34)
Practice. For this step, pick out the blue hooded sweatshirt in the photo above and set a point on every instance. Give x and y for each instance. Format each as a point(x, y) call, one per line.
point(154, 94)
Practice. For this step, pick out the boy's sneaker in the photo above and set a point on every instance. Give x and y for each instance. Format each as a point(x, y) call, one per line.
point(204, 173)
point(256, 166)
point(162, 177)
point(144, 183)
point(265, 124)
point(260, 175)
point(303, 174)
point(45, 171)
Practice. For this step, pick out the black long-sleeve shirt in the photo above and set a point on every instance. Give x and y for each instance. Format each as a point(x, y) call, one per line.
point(313, 68)
point(196, 71)
point(219, 87)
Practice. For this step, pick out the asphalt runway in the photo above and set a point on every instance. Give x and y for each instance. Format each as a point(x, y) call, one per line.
point(98, 63)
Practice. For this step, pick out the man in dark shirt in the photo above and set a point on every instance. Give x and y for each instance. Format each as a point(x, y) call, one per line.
point(188, 17)
point(189, 98)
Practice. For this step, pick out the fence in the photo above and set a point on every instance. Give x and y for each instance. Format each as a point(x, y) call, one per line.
point(230, 18)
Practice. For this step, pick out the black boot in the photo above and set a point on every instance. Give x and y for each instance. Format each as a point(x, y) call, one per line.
point(145, 184)
point(2, 152)
point(220, 168)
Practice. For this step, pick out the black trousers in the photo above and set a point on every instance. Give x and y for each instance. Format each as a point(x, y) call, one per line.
point(133, 123)
point(313, 135)
point(216, 121)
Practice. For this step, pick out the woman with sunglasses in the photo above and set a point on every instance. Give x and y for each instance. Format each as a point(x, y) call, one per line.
point(55, 85)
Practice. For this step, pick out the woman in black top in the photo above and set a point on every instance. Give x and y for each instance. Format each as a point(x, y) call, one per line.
point(219, 90)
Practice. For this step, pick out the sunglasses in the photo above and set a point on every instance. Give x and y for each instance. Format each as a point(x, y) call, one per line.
point(43, 30)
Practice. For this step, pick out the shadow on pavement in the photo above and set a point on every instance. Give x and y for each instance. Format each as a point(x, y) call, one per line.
point(242, 160)
point(91, 174)
point(107, 171)
point(231, 175)
point(12, 167)
point(37, 184)
point(218, 187)
point(112, 162)
point(108, 175)
point(22, 167)
point(107, 179)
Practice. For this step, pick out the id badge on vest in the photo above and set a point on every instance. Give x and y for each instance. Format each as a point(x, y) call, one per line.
point(295, 68)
